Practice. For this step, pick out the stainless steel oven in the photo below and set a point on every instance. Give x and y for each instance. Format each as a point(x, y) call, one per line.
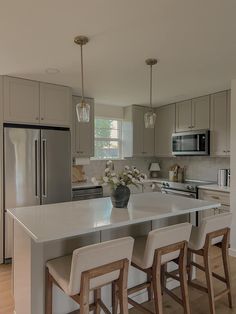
point(191, 143)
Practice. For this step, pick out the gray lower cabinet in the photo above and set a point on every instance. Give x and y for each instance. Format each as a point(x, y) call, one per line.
point(220, 124)
point(137, 140)
point(193, 114)
point(165, 126)
point(82, 132)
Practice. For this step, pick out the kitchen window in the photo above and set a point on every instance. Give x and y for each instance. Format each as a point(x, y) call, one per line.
point(108, 138)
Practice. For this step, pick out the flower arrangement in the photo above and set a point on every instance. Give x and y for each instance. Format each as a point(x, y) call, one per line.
point(129, 176)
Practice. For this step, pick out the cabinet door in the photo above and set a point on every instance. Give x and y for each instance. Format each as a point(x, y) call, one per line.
point(148, 138)
point(219, 124)
point(21, 100)
point(138, 127)
point(184, 116)
point(84, 132)
point(55, 105)
point(165, 126)
point(201, 113)
point(228, 123)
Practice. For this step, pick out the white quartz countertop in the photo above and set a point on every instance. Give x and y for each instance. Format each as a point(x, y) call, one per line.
point(57, 221)
point(215, 187)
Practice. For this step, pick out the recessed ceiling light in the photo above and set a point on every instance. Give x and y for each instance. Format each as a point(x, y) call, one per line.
point(52, 70)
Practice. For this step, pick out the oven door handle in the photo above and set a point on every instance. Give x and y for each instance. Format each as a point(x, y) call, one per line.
point(177, 192)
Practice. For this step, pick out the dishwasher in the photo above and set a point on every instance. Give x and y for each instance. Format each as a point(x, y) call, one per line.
point(86, 193)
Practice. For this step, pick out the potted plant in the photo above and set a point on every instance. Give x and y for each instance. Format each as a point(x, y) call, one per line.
point(119, 182)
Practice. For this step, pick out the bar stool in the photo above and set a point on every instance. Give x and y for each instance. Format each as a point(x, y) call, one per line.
point(151, 255)
point(212, 231)
point(88, 269)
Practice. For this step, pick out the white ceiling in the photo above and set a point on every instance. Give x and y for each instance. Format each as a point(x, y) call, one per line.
point(195, 41)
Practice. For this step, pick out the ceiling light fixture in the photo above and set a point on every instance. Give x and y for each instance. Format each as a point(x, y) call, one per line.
point(150, 115)
point(82, 108)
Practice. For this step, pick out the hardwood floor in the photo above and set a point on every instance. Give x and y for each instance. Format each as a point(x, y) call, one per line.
point(198, 300)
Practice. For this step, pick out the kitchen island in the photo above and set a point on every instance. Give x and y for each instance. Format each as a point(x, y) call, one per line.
point(48, 231)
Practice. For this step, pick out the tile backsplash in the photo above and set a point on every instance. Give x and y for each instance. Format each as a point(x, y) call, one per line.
point(199, 168)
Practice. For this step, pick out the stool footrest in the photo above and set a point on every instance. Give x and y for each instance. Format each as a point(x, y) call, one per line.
point(139, 306)
point(139, 287)
point(221, 294)
point(174, 296)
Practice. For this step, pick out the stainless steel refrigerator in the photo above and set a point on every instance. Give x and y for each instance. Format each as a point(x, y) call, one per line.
point(37, 170)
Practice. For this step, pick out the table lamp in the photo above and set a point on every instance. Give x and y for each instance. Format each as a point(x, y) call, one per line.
point(154, 169)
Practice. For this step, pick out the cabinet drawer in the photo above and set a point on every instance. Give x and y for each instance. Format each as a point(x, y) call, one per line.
point(215, 196)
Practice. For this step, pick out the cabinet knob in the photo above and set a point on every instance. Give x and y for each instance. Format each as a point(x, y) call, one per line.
point(42, 118)
point(224, 151)
point(37, 118)
point(190, 127)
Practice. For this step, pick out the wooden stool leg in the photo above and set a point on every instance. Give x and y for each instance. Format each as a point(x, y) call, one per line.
point(122, 288)
point(225, 257)
point(189, 266)
point(84, 294)
point(163, 277)
point(183, 279)
point(48, 292)
point(149, 289)
point(97, 297)
point(209, 279)
point(157, 289)
point(114, 298)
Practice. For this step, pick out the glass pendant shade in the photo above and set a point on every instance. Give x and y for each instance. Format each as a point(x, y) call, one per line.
point(150, 119)
point(83, 111)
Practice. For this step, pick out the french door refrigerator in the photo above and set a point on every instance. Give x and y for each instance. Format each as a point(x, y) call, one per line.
point(37, 170)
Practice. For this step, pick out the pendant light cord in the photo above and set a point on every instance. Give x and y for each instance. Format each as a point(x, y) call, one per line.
point(82, 71)
point(151, 86)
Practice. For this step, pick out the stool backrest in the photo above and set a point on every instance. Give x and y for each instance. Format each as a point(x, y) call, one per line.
point(163, 237)
point(208, 225)
point(96, 255)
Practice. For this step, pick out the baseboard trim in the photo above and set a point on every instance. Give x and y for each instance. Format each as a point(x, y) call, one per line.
point(232, 252)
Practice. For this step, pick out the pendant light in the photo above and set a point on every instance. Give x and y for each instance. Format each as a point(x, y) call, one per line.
point(150, 115)
point(82, 108)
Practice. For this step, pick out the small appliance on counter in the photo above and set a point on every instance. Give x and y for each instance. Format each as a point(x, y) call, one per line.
point(223, 177)
point(154, 169)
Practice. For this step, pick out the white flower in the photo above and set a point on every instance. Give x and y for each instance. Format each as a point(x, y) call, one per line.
point(109, 162)
point(113, 174)
point(136, 171)
point(126, 167)
point(94, 181)
point(107, 170)
point(105, 179)
point(115, 180)
point(141, 180)
point(134, 180)
point(122, 183)
point(130, 176)
point(153, 186)
point(104, 184)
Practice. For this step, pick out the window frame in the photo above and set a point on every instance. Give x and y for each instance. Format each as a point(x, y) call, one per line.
point(110, 139)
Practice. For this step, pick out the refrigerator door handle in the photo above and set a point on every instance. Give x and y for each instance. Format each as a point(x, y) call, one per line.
point(36, 168)
point(44, 162)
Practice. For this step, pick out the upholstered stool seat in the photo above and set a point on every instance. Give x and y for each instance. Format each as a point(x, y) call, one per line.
point(213, 230)
point(88, 269)
point(152, 253)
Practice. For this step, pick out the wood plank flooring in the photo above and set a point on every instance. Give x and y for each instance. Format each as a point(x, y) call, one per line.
point(198, 300)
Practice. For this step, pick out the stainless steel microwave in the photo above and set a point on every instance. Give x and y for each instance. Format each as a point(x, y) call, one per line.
point(191, 143)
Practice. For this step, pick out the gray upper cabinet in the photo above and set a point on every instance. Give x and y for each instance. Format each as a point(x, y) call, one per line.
point(21, 100)
point(137, 140)
point(165, 126)
point(55, 105)
point(1, 99)
point(220, 124)
point(193, 114)
point(184, 116)
point(201, 113)
point(83, 132)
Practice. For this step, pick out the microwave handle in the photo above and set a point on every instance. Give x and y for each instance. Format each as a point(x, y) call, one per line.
point(198, 142)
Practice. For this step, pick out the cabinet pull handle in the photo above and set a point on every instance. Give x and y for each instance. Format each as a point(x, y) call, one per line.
point(215, 197)
point(190, 127)
point(42, 118)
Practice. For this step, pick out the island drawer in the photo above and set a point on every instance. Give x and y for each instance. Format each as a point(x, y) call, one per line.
point(215, 196)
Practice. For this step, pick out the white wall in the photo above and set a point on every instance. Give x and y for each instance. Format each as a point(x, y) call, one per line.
point(106, 111)
point(233, 166)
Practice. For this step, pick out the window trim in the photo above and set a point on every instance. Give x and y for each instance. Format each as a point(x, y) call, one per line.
point(109, 139)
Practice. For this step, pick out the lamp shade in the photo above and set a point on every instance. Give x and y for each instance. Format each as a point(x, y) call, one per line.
point(155, 166)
